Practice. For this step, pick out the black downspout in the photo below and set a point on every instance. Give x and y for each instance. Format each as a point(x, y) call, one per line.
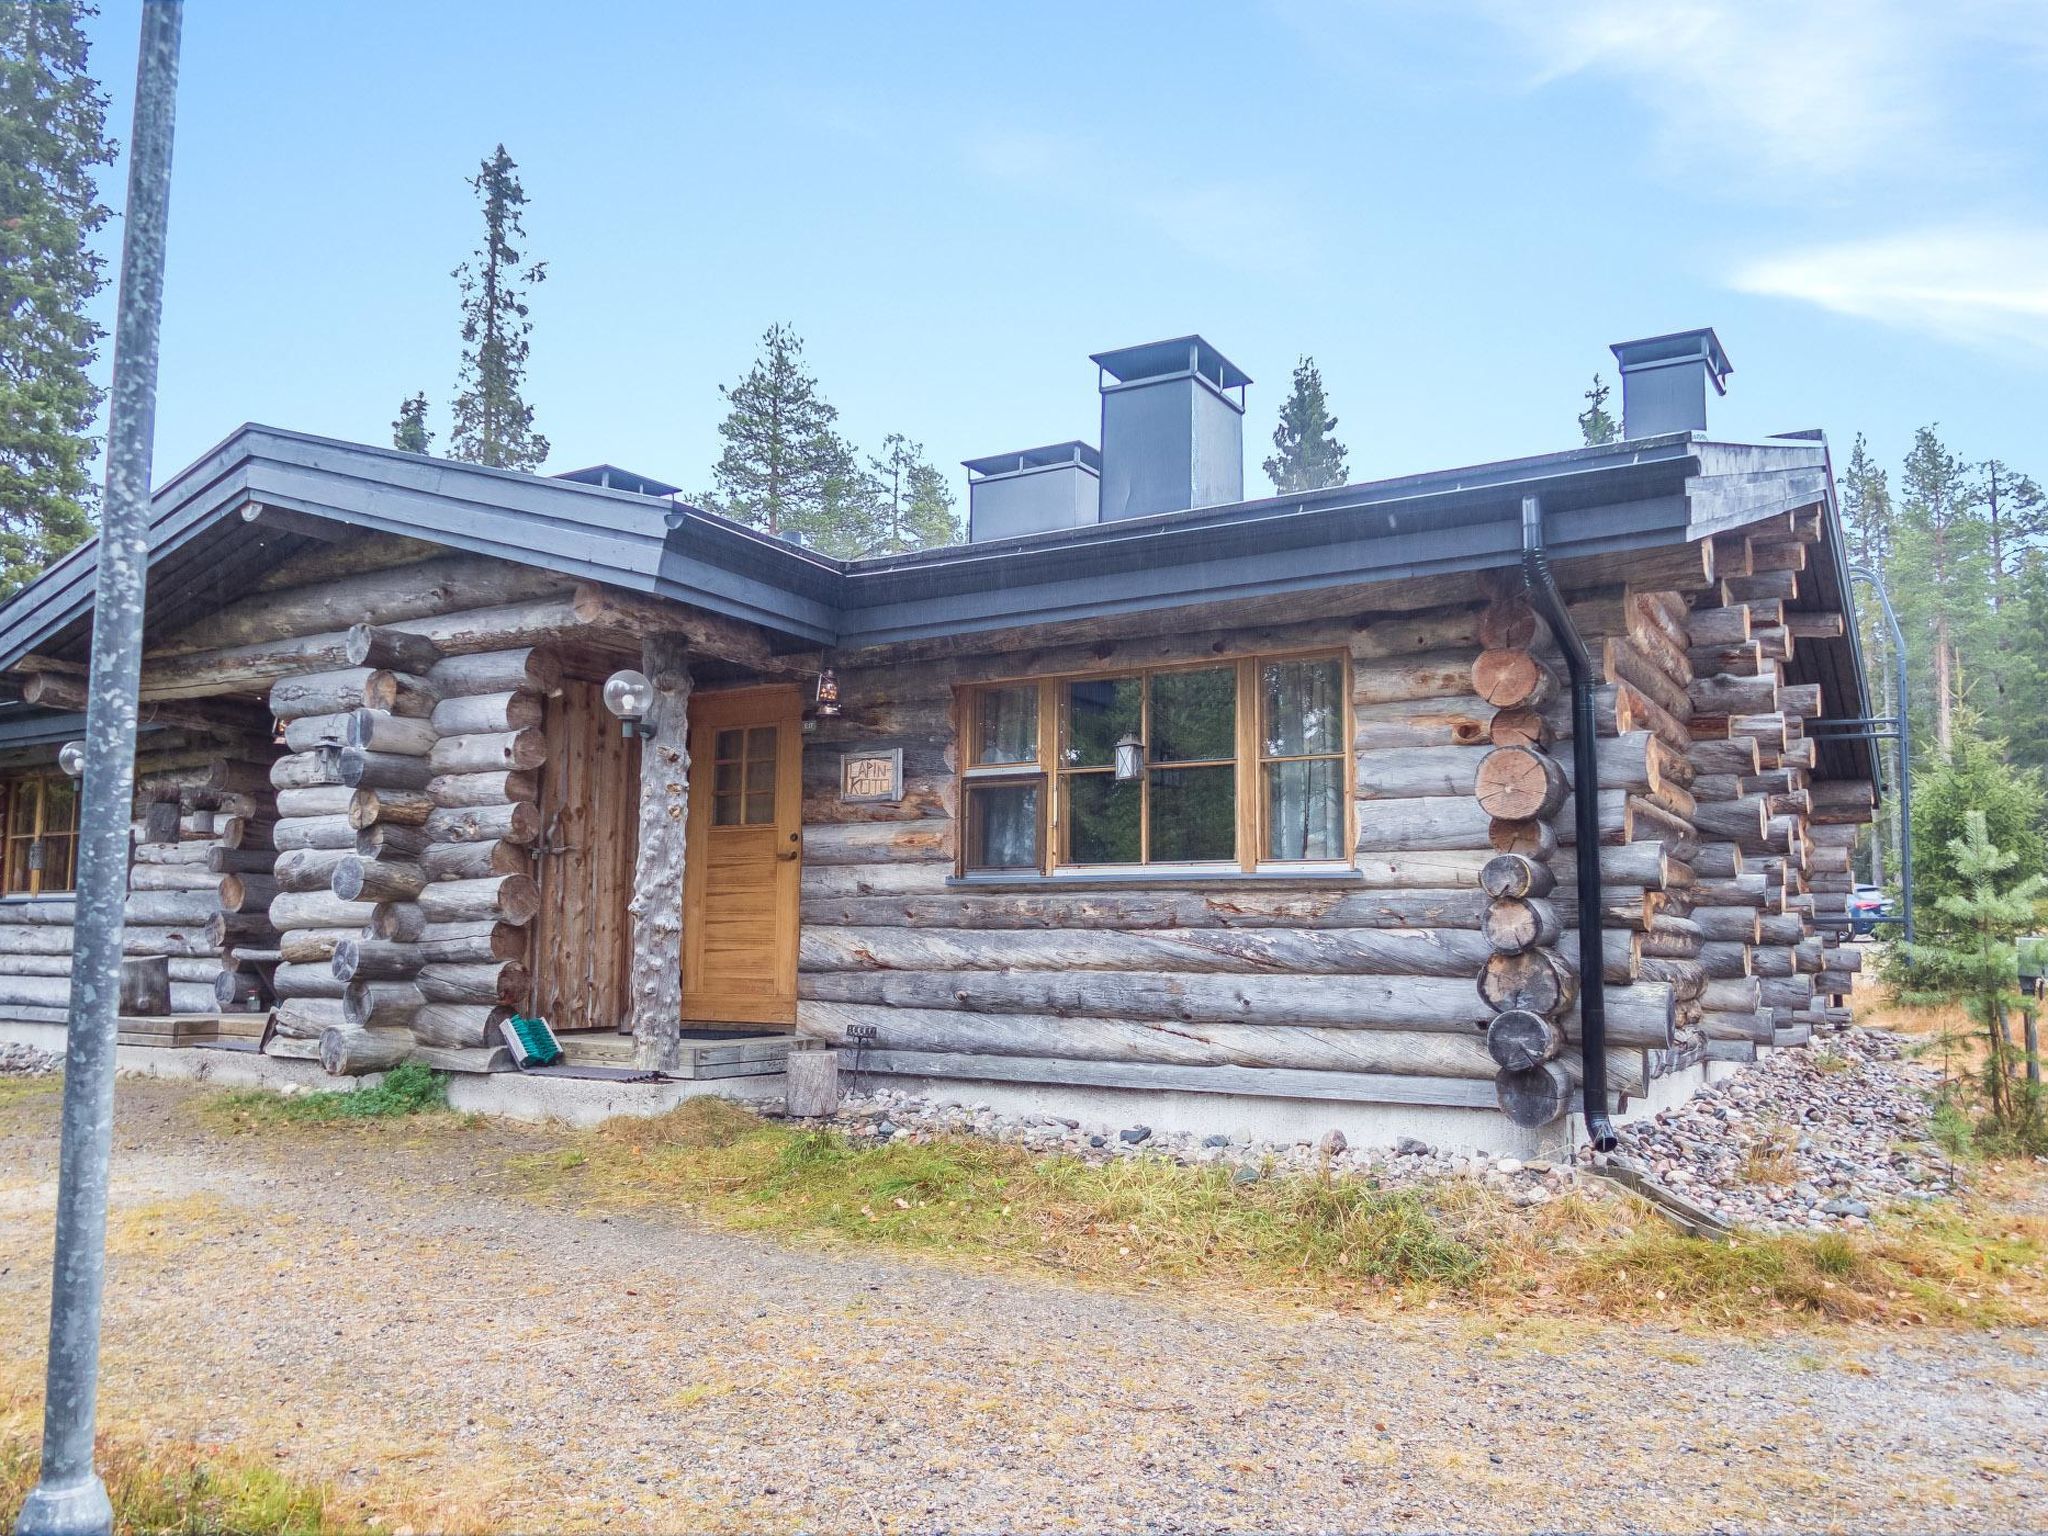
point(1542, 585)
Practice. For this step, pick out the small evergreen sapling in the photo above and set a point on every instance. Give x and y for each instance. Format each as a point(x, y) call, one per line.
point(1307, 455)
point(409, 432)
point(1595, 424)
point(1976, 963)
point(785, 469)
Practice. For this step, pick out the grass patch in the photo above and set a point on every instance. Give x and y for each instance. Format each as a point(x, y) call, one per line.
point(1143, 1219)
point(1148, 1221)
point(1772, 1157)
point(407, 1089)
point(177, 1487)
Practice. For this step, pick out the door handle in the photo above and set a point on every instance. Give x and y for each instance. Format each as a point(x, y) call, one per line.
point(786, 855)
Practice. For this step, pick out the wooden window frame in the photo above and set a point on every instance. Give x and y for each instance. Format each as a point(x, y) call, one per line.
point(32, 787)
point(1249, 762)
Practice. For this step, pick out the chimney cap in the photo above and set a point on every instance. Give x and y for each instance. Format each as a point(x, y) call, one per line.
point(1051, 456)
point(1165, 359)
point(1700, 346)
point(611, 477)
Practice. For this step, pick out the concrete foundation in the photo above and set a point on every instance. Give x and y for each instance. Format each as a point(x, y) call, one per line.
point(581, 1101)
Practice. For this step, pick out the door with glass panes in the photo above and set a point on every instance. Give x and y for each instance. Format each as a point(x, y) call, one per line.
point(744, 857)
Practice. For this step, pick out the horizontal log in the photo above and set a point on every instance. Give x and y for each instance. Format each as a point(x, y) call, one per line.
point(172, 877)
point(313, 832)
point(305, 980)
point(1255, 951)
point(391, 840)
point(491, 753)
point(520, 670)
point(309, 869)
point(508, 898)
point(519, 823)
point(362, 769)
point(357, 958)
point(305, 770)
point(492, 982)
point(303, 1018)
point(486, 714)
point(309, 946)
point(475, 861)
point(458, 1025)
point(357, 879)
point(245, 893)
point(380, 1004)
point(307, 734)
point(370, 645)
point(303, 804)
point(402, 922)
point(1439, 675)
point(375, 730)
point(402, 807)
point(471, 943)
point(317, 909)
point(499, 788)
point(358, 1052)
point(1252, 908)
point(1517, 924)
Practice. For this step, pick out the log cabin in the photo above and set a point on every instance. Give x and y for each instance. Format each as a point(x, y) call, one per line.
point(1421, 800)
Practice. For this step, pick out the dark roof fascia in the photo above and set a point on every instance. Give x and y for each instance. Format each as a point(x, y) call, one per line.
point(1600, 501)
point(21, 726)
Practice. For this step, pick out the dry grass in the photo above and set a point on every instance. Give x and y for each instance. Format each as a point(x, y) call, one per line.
point(1148, 1221)
point(174, 1486)
point(1772, 1157)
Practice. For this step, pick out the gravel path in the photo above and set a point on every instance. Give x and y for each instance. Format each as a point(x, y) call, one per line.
point(378, 1307)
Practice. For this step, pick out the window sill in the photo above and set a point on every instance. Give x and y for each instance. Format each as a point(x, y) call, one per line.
point(1148, 879)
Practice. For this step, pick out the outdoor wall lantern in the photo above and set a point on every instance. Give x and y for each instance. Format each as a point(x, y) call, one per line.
point(1130, 759)
point(630, 696)
point(71, 758)
point(828, 695)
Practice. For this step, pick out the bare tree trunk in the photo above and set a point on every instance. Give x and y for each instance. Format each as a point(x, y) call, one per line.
point(657, 905)
point(1944, 716)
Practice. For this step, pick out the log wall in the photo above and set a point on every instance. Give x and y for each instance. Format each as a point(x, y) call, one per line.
point(1450, 964)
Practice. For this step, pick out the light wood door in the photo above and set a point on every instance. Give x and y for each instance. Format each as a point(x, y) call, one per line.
point(580, 954)
point(744, 859)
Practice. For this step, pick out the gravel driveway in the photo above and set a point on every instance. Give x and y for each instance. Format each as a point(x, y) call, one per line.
point(376, 1305)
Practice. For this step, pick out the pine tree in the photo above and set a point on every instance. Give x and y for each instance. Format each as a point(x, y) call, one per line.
point(1595, 424)
point(1974, 960)
point(493, 423)
point(1308, 456)
point(2015, 517)
point(785, 469)
point(52, 134)
point(2025, 715)
point(410, 432)
point(913, 503)
point(1941, 574)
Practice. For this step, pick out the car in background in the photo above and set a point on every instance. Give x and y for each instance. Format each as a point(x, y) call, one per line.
point(1869, 906)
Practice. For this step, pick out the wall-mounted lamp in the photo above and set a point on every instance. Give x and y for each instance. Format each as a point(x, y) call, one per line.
point(71, 758)
point(828, 694)
point(629, 695)
point(1130, 759)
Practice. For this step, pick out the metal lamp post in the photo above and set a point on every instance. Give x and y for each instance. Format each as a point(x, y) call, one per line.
point(69, 1499)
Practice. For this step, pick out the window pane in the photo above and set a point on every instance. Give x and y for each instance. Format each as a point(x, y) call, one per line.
point(1102, 819)
point(728, 748)
point(761, 774)
point(760, 810)
point(1194, 716)
point(1194, 814)
point(1002, 826)
point(725, 809)
point(60, 805)
point(761, 741)
point(1098, 713)
point(1006, 722)
point(1305, 810)
point(1304, 707)
point(726, 778)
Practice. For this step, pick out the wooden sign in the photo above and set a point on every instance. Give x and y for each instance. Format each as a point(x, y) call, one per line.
point(869, 776)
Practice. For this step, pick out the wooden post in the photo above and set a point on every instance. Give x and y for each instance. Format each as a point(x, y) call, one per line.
point(657, 905)
point(812, 1079)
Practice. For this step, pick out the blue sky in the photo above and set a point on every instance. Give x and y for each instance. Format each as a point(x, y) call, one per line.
point(1453, 206)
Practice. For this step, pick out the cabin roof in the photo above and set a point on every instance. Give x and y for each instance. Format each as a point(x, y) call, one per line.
point(1631, 496)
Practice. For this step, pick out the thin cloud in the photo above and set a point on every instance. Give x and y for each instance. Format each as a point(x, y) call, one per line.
point(1252, 225)
point(1979, 287)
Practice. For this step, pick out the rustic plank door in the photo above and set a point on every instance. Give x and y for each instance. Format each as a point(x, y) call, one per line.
point(589, 802)
point(744, 857)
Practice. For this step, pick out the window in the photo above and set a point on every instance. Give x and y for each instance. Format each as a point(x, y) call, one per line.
point(1225, 767)
point(743, 777)
point(40, 820)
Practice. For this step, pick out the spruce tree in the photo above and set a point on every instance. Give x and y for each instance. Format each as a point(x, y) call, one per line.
point(1868, 526)
point(913, 503)
point(493, 423)
point(1973, 958)
point(52, 134)
point(409, 432)
point(785, 469)
point(1595, 424)
point(1307, 455)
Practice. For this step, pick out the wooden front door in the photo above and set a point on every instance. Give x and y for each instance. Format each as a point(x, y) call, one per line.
point(744, 858)
point(589, 796)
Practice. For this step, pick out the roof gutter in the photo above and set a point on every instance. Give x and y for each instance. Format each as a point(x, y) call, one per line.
point(1542, 585)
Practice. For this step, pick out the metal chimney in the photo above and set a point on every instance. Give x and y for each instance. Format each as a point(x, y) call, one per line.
point(1664, 381)
point(1172, 434)
point(1034, 491)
